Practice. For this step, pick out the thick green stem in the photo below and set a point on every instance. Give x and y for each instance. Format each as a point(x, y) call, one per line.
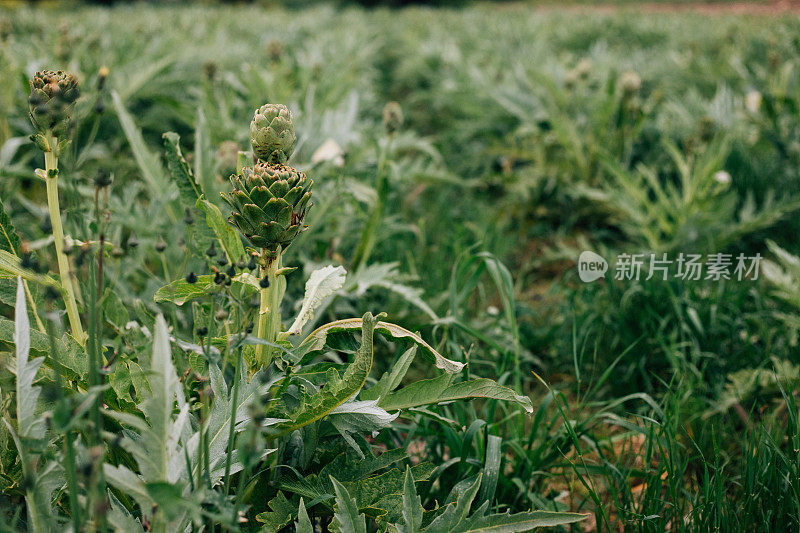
point(51, 167)
point(269, 312)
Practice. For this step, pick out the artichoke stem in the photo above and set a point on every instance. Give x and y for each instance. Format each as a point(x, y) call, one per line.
point(51, 168)
point(269, 312)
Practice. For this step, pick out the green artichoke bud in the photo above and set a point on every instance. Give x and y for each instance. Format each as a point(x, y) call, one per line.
point(392, 117)
point(272, 133)
point(269, 202)
point(51, 99)
point(275, 50)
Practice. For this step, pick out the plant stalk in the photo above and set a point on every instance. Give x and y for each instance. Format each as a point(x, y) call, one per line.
point(269, 311)
point(51, 168)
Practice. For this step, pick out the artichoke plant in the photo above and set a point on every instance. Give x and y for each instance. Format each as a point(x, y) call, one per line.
point(269, 202)
point(272, 133)
point(52, 95)
point(51, 99)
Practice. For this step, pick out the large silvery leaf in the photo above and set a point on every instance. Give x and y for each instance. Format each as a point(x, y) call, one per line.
point(29, 426)
point(317, 338)
point(337, 390)
point(359, 416)
point(43, 478)
point(321, 284)
point(387, 276)
point(442, 389)
point(160, 441)
point(157, 444)
point(119, 517)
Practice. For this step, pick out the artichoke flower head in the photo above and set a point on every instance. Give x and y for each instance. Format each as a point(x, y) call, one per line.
point(270, 199)
point(51, 99)
point(272, 133)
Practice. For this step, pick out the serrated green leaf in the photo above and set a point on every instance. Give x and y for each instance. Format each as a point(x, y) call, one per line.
point(412, 506)
point(303, 521)
point(337, 391)
point(181, 291)
point(349, 468)
point(441, 389)
point(378, 495)
point(10, 268)
point(280, 514)
point(188, 188)
point(455, 514)
point(346, 519)
point(189, 191)
point(71, 356)
point(230, 240)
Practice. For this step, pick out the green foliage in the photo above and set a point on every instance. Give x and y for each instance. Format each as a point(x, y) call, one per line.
point(526, 138)
point(43, 476)
point(346, 519)
point(10, 240)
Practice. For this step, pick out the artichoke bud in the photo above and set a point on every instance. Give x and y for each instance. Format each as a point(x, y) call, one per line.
point(269, 203)
point(272, 133)
point(51, 99)
point(275, 50)
point(392, 117)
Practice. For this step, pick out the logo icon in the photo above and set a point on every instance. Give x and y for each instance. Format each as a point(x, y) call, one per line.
point(591, 266)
